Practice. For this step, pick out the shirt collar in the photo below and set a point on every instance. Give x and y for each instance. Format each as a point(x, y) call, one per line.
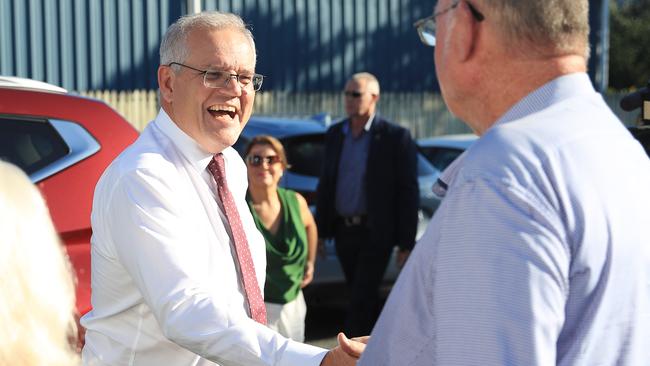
point(188, 147)
point(366, 127)
point(556, 90)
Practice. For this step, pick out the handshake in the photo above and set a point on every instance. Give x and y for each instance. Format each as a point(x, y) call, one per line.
point(347, 352)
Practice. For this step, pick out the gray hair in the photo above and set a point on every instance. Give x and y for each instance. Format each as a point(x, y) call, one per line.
point(371, 81)
point(173, 46)
point(558, 25)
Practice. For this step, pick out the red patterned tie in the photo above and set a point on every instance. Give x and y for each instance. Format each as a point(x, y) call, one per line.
point(247, 268)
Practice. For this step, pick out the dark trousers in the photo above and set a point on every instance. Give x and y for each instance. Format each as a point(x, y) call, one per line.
point(364, 264)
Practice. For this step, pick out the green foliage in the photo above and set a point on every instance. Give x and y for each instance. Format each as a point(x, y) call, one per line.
point(629, 54)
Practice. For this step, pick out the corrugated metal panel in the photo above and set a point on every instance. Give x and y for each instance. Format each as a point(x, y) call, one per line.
point(85, 44)
point(313, 45)
point(303, 45)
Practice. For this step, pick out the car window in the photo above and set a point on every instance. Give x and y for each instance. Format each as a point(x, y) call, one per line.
point(305, 153)
point(31, 144)
point(440, 157)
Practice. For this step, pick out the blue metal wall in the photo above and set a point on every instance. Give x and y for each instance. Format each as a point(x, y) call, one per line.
point(312, 45)
point(303, 45)
point(85, 44)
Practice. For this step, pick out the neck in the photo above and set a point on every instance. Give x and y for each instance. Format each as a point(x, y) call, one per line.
point(262, 195)
point(358, 123)
point(503, 84)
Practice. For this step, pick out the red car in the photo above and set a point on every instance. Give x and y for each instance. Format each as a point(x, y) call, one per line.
point(63, 142)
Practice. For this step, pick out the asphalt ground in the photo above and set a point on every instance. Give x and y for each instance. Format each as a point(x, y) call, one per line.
point(322, 324)
point(326, 308)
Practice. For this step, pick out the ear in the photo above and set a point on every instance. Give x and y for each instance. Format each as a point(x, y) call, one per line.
point(465, 32)
point(166, 78)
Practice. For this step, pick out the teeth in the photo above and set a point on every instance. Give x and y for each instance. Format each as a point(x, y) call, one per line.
point(222, 108)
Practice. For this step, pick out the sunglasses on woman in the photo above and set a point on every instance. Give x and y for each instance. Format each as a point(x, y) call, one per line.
point(257, 160)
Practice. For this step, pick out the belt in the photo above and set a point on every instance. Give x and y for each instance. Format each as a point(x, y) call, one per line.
point(350, 221)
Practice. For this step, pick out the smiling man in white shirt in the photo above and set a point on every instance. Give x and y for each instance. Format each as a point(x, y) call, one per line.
point(177, 263)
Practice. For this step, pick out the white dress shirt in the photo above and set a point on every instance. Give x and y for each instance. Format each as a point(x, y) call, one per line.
point(165, 287)
point(539, 253)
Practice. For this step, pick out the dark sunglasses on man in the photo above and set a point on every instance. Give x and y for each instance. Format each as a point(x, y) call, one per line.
point(257, 160)
point(352, 94)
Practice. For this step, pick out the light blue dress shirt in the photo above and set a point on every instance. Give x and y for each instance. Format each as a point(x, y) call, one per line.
point(540, 251)
point(351, 180)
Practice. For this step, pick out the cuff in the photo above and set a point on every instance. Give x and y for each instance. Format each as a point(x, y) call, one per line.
point(297, 353)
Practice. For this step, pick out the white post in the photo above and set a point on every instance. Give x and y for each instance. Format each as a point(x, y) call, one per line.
point(193, 6)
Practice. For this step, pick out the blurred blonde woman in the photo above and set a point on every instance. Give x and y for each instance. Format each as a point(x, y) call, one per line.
point(37, 325)
point(289, 229)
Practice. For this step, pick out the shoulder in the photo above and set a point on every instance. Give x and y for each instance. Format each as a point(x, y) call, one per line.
point(303, 207)
point(390, 128)
point(292, 195)
point(301, 199)
point(504, 154)
point(147, 155)
point(289, 193)
point(337, 127)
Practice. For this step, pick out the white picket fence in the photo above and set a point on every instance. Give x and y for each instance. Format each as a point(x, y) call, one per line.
point(425, 114)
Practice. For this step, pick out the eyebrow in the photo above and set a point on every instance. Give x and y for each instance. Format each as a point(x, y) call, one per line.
point(223, 67)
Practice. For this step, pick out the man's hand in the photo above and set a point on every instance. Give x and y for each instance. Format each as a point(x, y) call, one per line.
point(347, 352)
point(402, 256)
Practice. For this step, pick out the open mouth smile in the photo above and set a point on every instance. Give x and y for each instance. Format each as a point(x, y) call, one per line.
point(222, 110)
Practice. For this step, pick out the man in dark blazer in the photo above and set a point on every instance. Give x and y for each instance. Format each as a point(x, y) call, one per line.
point(367, 198)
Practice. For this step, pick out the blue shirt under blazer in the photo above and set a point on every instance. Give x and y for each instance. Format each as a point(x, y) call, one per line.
point(391, 184)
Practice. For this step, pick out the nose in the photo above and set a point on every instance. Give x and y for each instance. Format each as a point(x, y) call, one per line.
point(233, 87)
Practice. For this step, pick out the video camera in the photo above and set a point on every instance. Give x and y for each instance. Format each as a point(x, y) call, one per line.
point(638, 99)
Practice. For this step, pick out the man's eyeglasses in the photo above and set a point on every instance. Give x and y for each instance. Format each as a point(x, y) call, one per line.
point(220, 79)
point(426, 27)
point(352, 94)
point(257, 160)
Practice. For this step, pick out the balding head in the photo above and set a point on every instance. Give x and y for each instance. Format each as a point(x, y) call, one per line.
point(369, 80)
point(543, 27)
point(361, 96)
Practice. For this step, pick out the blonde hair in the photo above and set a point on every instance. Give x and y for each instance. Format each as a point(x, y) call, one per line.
point(37, 323)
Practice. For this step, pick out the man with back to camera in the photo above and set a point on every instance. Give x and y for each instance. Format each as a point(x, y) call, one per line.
point(539, 253)
point(177, 263)
point(367, 197)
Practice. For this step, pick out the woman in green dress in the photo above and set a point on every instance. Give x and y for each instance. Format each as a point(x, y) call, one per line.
point(284, 219)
